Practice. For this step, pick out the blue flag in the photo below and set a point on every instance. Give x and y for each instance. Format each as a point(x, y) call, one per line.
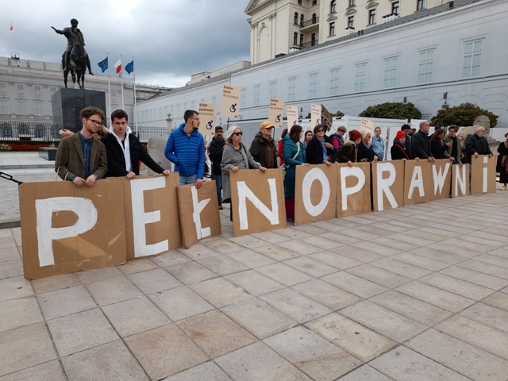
point(103, 64)
point(129, 68)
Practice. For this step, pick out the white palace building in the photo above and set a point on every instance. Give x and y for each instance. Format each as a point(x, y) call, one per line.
point(351, 54)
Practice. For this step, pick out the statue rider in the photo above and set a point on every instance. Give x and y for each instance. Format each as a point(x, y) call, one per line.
point(71, 34)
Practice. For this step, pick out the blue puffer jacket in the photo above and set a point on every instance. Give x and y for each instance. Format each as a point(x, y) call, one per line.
point(187, 152)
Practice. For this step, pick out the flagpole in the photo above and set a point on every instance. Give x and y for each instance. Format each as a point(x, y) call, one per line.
point(121, 84)
point(109, 88)
point(135, 103)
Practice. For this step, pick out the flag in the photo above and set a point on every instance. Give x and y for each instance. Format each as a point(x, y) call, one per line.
point(103, 64)
point(11, 27)
point(118, 66)
point(129, 68)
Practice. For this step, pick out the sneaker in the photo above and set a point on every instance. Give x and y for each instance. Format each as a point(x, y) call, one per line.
point(220, 207)
point(504, 187)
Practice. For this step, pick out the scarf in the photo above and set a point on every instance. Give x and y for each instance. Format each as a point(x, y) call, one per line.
point(125, 147)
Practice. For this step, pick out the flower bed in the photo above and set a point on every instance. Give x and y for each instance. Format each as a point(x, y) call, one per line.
point(23, 146)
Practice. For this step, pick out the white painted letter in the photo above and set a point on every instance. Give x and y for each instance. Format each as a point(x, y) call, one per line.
point(460, 180)
point(383, 185)
point(416, 182)
point(87, 218)
point(344, 173)
point(311, 176)
point(485, 174)
point(198, 207)
point(439, 177)
point(140, 218)
point(245, 193)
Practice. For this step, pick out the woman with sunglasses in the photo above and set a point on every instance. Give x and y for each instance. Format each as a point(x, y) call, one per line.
point(234, 158)
point(318, 148)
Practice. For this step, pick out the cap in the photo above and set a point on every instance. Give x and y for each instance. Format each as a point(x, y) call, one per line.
point(399, 135)
point(265, 125)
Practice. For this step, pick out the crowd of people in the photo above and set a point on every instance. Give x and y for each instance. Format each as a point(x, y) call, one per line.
point(94, 152)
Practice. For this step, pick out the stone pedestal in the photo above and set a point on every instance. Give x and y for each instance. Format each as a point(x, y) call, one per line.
point(67, 104)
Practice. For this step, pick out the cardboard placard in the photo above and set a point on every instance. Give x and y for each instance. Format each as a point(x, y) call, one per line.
point(199, 212)
point(276, 111)
point(292, 116)
point(152, 220)
point(230, 105)
point(315, 193)
point(257, 199)
point(387, 184)
point(460, 180)
point(66, 228)
point(207, 116)
point(483, 174)
point(315, 115)
point(440, 179)
point(353, 189)
point(416, 181)
point(367, 126)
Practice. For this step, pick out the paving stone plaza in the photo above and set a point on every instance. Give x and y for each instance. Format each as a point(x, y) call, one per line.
point(414, 293)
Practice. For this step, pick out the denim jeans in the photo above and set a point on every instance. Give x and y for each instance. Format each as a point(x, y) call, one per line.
point(218, 184)
point(184, 180)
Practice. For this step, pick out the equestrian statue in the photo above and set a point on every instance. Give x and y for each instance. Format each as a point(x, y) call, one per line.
point(75, 59)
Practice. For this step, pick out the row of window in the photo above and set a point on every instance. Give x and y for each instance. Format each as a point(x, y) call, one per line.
point(420, 4)
point(470, 68)
point(21, 109)
point(21, 87)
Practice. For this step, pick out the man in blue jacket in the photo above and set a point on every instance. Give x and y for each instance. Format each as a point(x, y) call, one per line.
point(186, 148)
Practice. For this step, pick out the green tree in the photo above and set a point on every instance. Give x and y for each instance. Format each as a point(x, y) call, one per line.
point(392, 110)
point(463, 115)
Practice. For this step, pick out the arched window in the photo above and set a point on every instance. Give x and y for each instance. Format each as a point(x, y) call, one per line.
point(332, 6)
point(296, 18)
point(301, 19)
point(314, 18)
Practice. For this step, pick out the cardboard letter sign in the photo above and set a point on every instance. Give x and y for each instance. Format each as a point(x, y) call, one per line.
point(315, 193)
point(416, 181)
point(483, 174)
point(440, 180)
point(257, 199)
point(199, 212)
point(66, 228)
point(387, 184)
point(153, 224)
point(353, 189)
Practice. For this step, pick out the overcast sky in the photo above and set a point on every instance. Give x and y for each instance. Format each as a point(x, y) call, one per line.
point(170, 40)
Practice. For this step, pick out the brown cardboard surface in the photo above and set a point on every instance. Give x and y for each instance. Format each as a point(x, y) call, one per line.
point(380, 199)
point(209, 217)
point(258, 183)
point(440, 187)
point(460, 180)
point(483, 174)
point(163, 201)
point(419, 172)
point(315, 193)
point(360, 201)
point(101, 245)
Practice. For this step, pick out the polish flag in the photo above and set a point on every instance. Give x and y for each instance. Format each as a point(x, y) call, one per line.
point(118, 66)
point(11, 27)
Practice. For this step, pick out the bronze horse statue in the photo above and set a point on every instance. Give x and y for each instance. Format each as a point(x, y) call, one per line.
point(78, 62)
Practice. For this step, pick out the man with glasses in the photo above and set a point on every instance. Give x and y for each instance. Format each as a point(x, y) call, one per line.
point(263, 148)
point(81, 158)
point(186, 148)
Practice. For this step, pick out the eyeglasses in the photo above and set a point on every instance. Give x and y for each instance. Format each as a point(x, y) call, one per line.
point(269, 128)
point(194, 118)
point(320, 130)
point(95, 123)
point(238, 133)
